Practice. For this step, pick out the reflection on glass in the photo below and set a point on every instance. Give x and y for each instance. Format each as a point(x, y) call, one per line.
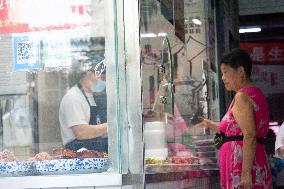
point(53, 87)
point(172, 144)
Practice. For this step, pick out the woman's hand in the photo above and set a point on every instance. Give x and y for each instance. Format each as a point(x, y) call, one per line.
point(209, 124)
point(246, 180)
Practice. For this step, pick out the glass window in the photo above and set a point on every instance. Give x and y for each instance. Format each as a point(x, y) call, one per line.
point(178, 62)
point(55, 86)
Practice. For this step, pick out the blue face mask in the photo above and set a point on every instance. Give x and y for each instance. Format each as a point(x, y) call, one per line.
point(99, 86)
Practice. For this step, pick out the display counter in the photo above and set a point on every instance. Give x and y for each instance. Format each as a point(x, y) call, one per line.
point(132, 100)
point(98, 180)
point(183, 179)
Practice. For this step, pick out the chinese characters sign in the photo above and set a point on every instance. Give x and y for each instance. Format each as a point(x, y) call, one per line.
point(269, 78)
point(18, 16)
point(268, 53)
point(7, 23)
point(192, 28)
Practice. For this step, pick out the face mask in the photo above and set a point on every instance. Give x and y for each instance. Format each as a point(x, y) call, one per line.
point(99, 86)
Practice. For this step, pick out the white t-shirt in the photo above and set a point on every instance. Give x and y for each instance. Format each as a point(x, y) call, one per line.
point(74, 110)
point(279, 143)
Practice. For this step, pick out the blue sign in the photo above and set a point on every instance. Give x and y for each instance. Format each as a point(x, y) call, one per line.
point(26, 54)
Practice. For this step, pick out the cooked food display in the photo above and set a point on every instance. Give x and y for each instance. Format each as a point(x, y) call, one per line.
point(91, 154)
point(183, 160)
point(173, 160)
point(42, 156)
point(63, 153)
point(7, 156)
point(59, 153)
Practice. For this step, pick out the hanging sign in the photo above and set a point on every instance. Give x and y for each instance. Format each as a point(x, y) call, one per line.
point(267, 53)
point(18, 16)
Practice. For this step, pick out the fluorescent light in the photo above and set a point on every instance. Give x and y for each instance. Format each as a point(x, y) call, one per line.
point(248, 30)
point(148, 35)
point(162, 34)
point(273, 123)
point(196, 21)
point(153, 34)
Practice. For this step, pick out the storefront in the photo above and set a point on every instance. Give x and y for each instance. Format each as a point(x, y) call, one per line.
point(161, 76)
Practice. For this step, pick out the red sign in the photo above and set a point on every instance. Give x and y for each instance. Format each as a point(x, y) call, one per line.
point(268, 53)
point(20, 16)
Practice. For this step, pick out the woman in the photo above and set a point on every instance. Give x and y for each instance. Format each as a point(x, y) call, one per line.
point(242, 160)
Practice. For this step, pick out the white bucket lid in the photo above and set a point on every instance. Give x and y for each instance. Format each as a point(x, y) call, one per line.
point(155, 125)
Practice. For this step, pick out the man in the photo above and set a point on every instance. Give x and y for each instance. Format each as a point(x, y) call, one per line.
point(82, 112)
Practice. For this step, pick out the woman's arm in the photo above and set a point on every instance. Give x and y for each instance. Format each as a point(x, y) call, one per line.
point(244, 116)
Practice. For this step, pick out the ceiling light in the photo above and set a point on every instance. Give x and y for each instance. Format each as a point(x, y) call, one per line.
point(196, 21)
point(162, 34)
point(249, 30)
point(148, 35)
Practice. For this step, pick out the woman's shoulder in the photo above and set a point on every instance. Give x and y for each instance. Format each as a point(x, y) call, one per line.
point(256, 96)
point(242, 98)
point(252, 91)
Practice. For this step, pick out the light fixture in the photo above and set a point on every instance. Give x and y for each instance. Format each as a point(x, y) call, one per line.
point(249, 30)
point(162, 34)
point(148, 35)
point(196, 21)
point(273, 123)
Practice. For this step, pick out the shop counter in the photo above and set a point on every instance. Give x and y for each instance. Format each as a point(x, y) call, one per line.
point(97, 180)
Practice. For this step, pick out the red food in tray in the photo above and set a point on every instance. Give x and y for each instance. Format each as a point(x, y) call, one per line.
point(183, 160)
point(91, 154)
point(63, 153)
point(42, 156)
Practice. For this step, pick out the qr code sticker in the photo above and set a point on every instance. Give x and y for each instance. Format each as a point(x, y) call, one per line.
point(26, 52)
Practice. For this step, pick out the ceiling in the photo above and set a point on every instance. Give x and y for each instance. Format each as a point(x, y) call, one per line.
point(256, 7)
point(272, 27)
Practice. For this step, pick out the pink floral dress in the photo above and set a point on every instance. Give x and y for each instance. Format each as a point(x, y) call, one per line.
point(231, 153)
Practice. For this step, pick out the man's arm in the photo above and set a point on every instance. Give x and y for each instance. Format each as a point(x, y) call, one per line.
point(84, 131)
point(279, 143)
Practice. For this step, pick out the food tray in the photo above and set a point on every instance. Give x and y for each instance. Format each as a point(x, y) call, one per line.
point(67, 166)
point(207, 154)
point(57, 166)
point(204, 142)
point(205, 148)
point(160, 168)
point(16, 168)
point(91, 165)
point(209, 166)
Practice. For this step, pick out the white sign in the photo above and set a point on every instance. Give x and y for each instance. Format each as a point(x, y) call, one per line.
point(269, 78)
